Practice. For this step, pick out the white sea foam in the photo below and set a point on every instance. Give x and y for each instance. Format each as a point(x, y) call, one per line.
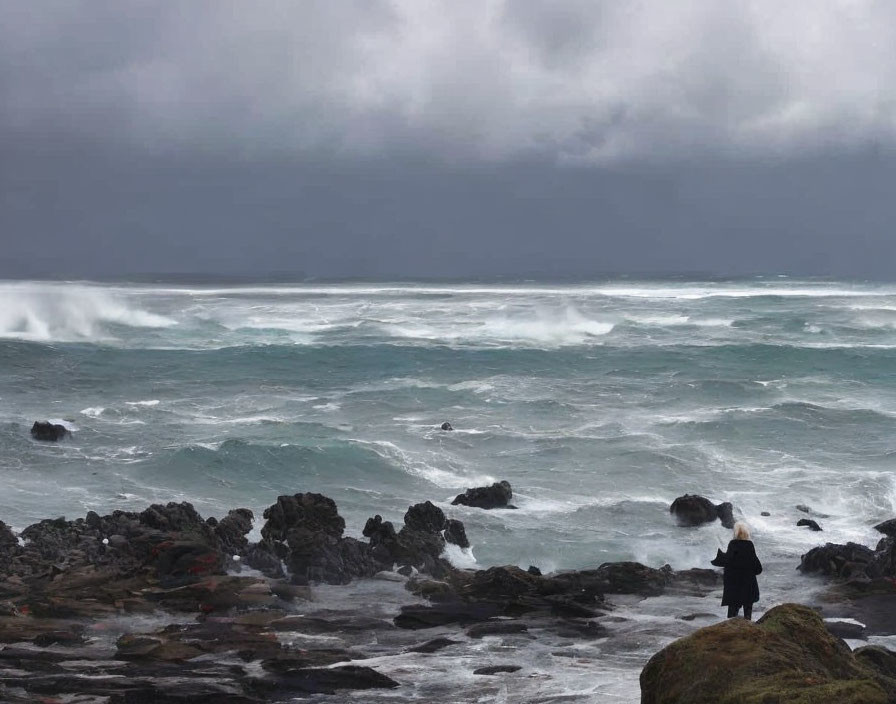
point(66, 312)
point(462, 558)
point(153, 402)
point(93, 411)
point(418, 467)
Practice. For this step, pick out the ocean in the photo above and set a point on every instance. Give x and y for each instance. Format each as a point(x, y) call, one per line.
point(599, 402)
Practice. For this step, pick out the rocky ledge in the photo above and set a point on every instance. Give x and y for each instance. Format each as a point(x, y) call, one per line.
point(787, 656)
point(158, 606)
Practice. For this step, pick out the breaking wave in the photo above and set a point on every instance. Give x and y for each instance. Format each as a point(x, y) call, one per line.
point(65, 312)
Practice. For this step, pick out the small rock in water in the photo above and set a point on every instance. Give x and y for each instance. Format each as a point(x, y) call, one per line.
point(433, 645)
point(495, 669)
point(48, 432)
point(497, 495)
point(809, 523)
point(765, 513)
point(446, 426)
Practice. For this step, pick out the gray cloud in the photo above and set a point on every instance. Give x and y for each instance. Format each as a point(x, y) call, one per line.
point(467, 81)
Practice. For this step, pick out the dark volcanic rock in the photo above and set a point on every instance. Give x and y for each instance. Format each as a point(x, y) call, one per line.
point(232, 530)
point(425, 517)
point(329, 680)
point(496, 628)
point(433, 645)
point(809, 523)
point(725, 512)
point(888, 528)
point(695, 510)
point(48, 432)
point(497, 495)
point(302, 516)
point(496, 669)
point(842, 561)
point(305, 530)
point(456, 534)
point(617, 578)
point(419, 616)
point(846, 629)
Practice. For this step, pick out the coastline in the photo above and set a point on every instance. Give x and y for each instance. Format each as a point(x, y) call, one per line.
point(166, 613)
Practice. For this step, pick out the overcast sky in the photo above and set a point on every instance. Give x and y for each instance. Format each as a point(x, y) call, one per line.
point(457, 138)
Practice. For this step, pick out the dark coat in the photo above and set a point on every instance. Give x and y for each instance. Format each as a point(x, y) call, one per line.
point(741, 567)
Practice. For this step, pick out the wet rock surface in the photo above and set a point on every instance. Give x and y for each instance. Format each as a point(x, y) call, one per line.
point(787, 656)
point(695, 510)
point(498, 495)
point(48, 432)
point(151, 606)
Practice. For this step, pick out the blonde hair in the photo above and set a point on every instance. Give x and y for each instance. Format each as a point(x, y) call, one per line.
point(741, 531)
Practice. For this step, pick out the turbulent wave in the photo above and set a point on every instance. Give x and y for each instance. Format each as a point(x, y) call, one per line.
point(58, 312)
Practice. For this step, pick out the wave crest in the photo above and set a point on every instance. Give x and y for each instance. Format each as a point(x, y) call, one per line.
point(66, 313)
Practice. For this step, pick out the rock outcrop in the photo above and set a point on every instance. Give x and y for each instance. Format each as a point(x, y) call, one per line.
point(48, 432)
point(787, 656)
point(497, 495)
point(695, 510)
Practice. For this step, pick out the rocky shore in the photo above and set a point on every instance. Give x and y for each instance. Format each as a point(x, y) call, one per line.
point(165, 606)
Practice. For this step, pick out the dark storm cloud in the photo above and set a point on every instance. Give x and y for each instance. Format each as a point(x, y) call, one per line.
point(472, 137)
point(470, 80)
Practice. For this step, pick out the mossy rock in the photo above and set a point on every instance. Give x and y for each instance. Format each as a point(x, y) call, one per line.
point(787, 657)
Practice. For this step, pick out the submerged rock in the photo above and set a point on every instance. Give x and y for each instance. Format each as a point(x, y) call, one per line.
point(48, 432)
point(808, 523)
point(497, 495)
point(787, 656)
point(496, 669)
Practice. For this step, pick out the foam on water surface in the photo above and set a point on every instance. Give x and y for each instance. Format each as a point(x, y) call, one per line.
point(599, 402)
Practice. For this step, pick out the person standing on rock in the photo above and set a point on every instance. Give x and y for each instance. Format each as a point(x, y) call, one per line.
point(741, 567)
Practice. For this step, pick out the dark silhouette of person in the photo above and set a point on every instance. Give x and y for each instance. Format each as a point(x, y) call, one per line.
point(741, 567)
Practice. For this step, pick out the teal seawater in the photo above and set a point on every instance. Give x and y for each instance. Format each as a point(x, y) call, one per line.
point(599, 402)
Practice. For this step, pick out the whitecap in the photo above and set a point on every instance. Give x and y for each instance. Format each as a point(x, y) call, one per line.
point(462, 558)
point(152, 402)
point(93, 411)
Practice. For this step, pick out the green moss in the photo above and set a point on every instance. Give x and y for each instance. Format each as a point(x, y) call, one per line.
point(788, 657)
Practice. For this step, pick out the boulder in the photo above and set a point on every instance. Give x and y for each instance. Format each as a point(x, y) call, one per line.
point(725, 512)
point(426, 517)
point(497, 495)
point(232, 530)
point(496, 669)
point(48, 432)
point(888, 528)
point(620, 578)
point(787, 656)
point(808, 523)
point(695, 510)
point(842, 561)
point(456, 534)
